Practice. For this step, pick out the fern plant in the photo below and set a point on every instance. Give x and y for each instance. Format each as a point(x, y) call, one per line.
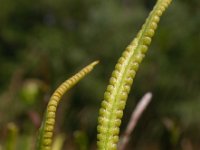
point(117, 91)
point(115, 97)
point(46, 130)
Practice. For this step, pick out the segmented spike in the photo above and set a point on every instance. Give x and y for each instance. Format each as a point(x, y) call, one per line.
point(116, 94)
point(47, 127)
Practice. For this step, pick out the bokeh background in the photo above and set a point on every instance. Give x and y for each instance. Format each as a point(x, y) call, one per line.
point(43, 42)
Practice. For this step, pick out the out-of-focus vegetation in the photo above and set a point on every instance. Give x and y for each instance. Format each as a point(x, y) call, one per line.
point(44, 42)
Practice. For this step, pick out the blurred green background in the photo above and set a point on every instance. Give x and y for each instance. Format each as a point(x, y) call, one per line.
point(43, 42)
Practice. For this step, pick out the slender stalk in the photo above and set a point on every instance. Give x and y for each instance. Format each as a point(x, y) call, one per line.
point(137, 112)
point(11, 140)
point(117, 91)
point(46, 130)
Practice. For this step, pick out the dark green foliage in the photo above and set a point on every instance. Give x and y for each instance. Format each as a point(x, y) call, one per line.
point(48, 40)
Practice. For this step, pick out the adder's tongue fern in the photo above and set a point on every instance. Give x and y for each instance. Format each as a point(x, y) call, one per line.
point(46, 130)
point(116, 94)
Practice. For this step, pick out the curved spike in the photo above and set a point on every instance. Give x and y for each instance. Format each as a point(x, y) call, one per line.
point(47, 127)
point(116, 94)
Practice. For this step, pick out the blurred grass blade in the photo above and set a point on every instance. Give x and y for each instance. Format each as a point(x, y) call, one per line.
point(81, 140)
point(58, 142)
point(11, 137)
point(136, 114)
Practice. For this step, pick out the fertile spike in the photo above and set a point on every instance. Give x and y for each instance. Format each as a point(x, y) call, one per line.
point(116, 94)
point(47, 127)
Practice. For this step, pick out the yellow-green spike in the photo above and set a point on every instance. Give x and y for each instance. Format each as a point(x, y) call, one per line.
point(47, 127)
point(116, 94)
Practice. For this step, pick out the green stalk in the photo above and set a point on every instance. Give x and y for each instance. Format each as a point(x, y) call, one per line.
point(117, 91)
point(44, 141)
